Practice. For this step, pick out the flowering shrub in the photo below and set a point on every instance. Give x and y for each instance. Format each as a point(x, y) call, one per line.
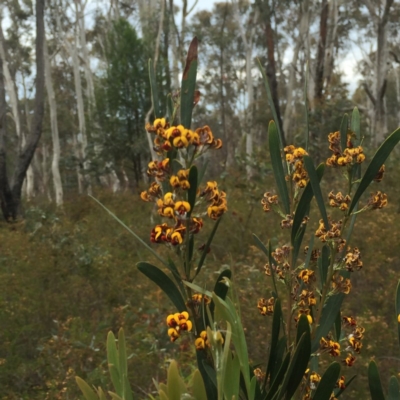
point(310, 272)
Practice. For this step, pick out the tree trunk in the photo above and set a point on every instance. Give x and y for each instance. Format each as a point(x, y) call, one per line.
point(304, 18)
point(55, 170)
point(320, 62)
point(265, 10)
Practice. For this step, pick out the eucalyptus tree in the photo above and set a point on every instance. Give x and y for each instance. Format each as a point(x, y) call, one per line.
point(11, 189)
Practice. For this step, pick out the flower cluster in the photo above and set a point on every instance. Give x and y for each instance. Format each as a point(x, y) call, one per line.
point(377, 200)
point(350, 155)
point(354, 338)
point(216, 199)
point(340, 284)
point(333, 233)
point(294, 157)
point(177, 323)
point(340, 201)
point(268, 201)
point(330, 346)
point(266, 307)
point(352, 260)
point(168, 137)
point(173, 204)
point(203, 342)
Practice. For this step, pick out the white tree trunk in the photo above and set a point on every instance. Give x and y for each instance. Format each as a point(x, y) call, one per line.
point(55, 170)
point(303, 29)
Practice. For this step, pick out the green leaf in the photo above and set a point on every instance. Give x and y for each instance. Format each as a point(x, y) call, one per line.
point(123, 364)
point(304, 204)
point(260, 244)
point(192, 192)
point(86, 390)
point(198, 388)
point(113, 362)
point(131, 232)
point(274, 388)
point(175, 384)
point(208, 375)
point(164, 282)
point(115, 396)
point(338, 326)
point(297, 366)
point(394, 393)
point(377, 161)
point(397, 308)
point(154, 91)
point(272, 368)
point(277, 167)
point(127, 389)
point(374, 381)
point(323, 264)
point(329, 313)
point(188, 85)
point(232, 385)
point(314, 180)
point(303, 326)
point(343, 131)
point(328, 382)
point(306, 107)
point(207, 247)
point(270, 101)
point(355, 125)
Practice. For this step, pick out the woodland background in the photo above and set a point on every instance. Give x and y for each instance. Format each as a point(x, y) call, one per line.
point(75, 122)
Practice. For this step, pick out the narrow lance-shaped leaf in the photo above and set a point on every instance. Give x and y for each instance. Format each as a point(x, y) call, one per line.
point(329, 314)
point(306, 107)
point(270, 101)
point(374, 381)
point(314, 180)
point(327, 382)
point(276, 324)
point(113, 362)
point(277, 167)
point(378, 160)
point(188, 84)
point(394, 393)
point(164, 282)
point(86, 389)
point(131, 232)
point(154, 91)
point(355, 125)
point(343, 131)
point(304, 202)
point(207, 247)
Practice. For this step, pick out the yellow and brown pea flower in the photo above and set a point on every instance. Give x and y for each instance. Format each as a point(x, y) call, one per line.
point(377, 200)
point(314, 380)
point(177, 323)
point(332, 347)
point(266, 307)
point(259, 374)
point(158, 169)
point(201, 342)
point(306, 275)
point(294, 156)
point(180, 180)
point(154, 192)
point(303, 311)
point(204, 137)
point(353, 260)
point(379, 175)
point(349, 360)
point(338, 200)
point(333, 233)
point(341, 284)
point(268, 201)
point(216, 199)
point(350, 155)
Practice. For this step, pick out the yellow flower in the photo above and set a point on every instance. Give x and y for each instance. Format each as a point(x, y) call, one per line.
point(182, 207)
point(177, 323)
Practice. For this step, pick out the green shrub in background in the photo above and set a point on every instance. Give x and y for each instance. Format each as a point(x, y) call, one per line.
point(313, 344)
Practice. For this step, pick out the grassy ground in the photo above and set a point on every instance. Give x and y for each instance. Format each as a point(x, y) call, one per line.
point(67, 278)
